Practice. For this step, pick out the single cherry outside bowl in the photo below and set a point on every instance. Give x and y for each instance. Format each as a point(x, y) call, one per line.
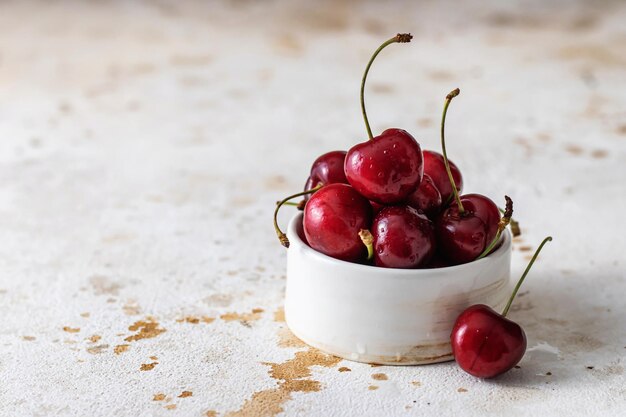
point(383, 315)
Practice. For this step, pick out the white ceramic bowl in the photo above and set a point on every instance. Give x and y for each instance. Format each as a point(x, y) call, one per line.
point(382, 315)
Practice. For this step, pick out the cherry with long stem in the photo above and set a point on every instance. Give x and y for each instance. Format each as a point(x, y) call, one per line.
point(455, 190)
point(281, 236)
point(519, 283)
point(399, 38)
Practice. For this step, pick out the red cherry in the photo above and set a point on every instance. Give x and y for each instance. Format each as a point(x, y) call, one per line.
point(434, 166)
point(377, 207)
point(463, 236)
point(403, 238)
point(426, 198)
point(386, 169)
point(333, 217)
point(327, 169)
point(389, 167)
point(485, 344)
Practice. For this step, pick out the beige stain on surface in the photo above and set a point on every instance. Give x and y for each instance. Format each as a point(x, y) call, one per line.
point(279, 315)
point(158, 397)
point(103, 285)
point(344, 369)
point(95, 338)
point(29, 338)
point(148, 366)
point(254, 315)
point(71, 329)
point(380, 377)
point(96, 350)
point(211, 413)
point(196, 319)
point(170, 407)
point(146, 329)
point(372, 387)
point(120, 349)
point(293, 377)
point(461, 390)
point(185, 394)
point(286, 339)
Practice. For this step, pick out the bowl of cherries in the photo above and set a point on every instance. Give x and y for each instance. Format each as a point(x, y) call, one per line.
point(389, 263)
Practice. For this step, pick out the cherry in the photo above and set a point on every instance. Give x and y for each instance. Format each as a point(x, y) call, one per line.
point(463, 236)
point(435, 168)
point(426, 198)
point(386, 168)
point(486, 344)
point(466, 229)
point(402, 238)
point(333, 217)
point(327, 169)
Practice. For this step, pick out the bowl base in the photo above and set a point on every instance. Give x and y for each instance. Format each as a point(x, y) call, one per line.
point(418, 355)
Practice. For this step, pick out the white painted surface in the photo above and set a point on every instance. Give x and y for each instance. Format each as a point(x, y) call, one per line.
point(142, 147)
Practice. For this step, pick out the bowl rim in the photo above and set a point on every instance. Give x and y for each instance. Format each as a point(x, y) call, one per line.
point(297, 242)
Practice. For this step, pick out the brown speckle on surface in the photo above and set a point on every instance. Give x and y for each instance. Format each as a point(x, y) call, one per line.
point(279, 315)
point(86, 315)
point(286, 339)
point(196, 319)
point(146, 329)
point(372, 387)
point(103, 285)
point(548, 373)
point(254, 315)
point(131, 308)
point(158, 397)
point(525, 248)
point(71, 329)
point(29, 338)
point(416, 383)
point(621, 129)
point(424, 122)
point(599, 153)
point(380, 377)
point(185, 394)
point(276, 182)
point(170, 407)
point(574, 149)
point(293, 377)
point(96, 350)
point(120, 349)
point(148, 366)
point(344, 369)
point(95, 338)
point(154, 358)
point(590, 367)
point(211, 413)
point(461, 390)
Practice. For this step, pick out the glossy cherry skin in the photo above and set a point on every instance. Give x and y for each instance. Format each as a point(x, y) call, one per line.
point(486, 344)
point(387, 168)
point(333, 217)
point(435, 167)
point(461, 238)
point(427, 198)
point(327, 169)
point(403, 238)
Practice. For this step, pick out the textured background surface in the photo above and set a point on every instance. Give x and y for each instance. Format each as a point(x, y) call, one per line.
point(142, 147)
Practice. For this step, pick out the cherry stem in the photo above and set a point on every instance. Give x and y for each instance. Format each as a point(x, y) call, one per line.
point(399, 38)
point(368, 241)
point(515, 227)
point(455, 190)
point(519, 283)
point(502, 224)
point(281, 236)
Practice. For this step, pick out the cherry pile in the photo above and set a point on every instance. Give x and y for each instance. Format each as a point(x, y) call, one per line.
point(387, 203)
